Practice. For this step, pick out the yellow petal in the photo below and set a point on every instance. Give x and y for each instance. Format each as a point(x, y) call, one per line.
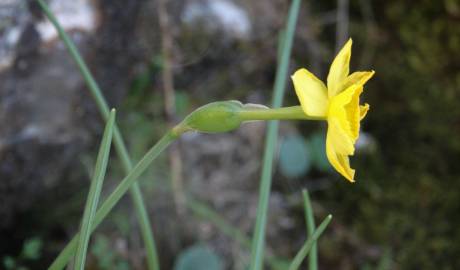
point(353, 112)
point(338, 138)
point(345, 109)
point(338, 147)
point(359, 77)
point(344, 161)
point(311, 91)
point(363, 109)
point(339, 70)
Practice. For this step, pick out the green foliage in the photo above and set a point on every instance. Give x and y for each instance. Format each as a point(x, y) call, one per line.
point(31, 251)
point(198, 257)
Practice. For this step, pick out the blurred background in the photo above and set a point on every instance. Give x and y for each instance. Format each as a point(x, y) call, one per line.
point(157, 60)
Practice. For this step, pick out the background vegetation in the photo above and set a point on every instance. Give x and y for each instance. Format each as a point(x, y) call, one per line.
point(401, 214)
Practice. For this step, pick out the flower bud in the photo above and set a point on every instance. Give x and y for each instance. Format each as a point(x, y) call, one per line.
point(221, 116)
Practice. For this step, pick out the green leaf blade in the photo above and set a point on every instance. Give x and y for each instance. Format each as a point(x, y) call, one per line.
point(303, 252)
point(115, 196)
point(310, 221)
point(94, 193)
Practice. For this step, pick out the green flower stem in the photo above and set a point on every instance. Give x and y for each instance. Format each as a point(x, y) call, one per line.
point(284, 113)
point(303, 252)
point(138, 201)
point(115, 196)
point(258, 240)
point(94, 193)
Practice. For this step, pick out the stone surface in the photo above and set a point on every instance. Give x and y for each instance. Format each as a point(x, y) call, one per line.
point(48, 119)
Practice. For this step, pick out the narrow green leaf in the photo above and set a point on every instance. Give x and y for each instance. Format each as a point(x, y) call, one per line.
point(310, 221)
point(65, 255)
point(94, 193)
point(138, 201)
point(303, 252)
point(258, 241)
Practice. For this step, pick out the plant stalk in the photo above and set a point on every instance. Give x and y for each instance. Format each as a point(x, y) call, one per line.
point(258, 240)
point(115, 196)
point(136, 195)
point(284, 113)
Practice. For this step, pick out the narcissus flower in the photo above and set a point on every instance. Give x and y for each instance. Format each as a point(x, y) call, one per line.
point(338, 103)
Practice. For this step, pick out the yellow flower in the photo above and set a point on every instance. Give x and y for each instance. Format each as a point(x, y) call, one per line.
point(339, 103)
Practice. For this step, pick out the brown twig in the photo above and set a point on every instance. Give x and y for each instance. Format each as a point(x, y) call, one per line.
point(341, 34)
point(370, 25)
point(313, 45)
point(175, 159)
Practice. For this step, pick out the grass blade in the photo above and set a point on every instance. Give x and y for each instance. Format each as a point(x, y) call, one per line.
point(94, 193)
point(310, 220)
point(303, 252)
point(258, 241)
point(115, 196)
point(138, 201)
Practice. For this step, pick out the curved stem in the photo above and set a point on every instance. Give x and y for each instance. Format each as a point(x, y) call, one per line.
point(135, 192)
point(284, 113)
point(116, 195)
